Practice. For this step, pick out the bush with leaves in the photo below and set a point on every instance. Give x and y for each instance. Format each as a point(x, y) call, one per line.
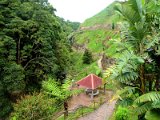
point(5, 104)
point(122, 113)
point(34, 107)
point(87, 57)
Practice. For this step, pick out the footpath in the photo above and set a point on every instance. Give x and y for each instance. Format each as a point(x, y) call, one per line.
point(104, 112)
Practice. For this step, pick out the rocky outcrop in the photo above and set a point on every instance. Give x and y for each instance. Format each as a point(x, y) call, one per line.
point(104, 62)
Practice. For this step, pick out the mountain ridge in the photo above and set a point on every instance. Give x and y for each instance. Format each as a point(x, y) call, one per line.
point(107, 16)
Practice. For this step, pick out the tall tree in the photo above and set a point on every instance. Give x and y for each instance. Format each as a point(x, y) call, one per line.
point(31, 46)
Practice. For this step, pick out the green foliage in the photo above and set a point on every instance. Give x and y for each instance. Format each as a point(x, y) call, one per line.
point(77, 114)
point(95, 40)
point(147, 102)
point(5, 104)
point(78, 70)
point(13, 78)
point(87, 57)
point(130, 50)
point(122, 113)
point(152, 115)
point(33, 45)
point(138, 34)
point(106, 16)
point(68, 26)
point(53, 88)
point(60, 92)
point(83, 110)
point(127, 67)
point(73, 25)
point(36, 106)
point(32, 37)
point(152, 96)
point(126, 92)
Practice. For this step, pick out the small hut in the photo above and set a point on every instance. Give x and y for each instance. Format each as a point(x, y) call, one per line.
point(91, 82)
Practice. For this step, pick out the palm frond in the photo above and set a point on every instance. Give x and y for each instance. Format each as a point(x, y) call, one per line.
point(147, 102)
point(124, 93)
point(127, 90)
point(156, 104)
point(126, 70)
point(148, 97)
point(152, 115)
point(143, 108)
point(153, 41)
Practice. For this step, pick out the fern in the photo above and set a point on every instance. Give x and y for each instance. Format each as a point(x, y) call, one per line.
point(51, 87)
point(62, 92)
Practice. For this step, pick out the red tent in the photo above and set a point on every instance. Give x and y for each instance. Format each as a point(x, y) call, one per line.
point(91, 81)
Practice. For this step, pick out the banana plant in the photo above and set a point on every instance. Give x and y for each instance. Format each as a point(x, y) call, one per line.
point(148, 104)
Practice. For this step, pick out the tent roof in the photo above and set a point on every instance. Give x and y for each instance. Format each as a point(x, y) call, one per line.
point(91, 81)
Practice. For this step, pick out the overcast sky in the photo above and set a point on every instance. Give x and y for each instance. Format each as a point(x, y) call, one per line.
point(78, 10)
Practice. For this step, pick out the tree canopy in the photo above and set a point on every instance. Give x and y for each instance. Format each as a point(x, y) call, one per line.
point(33, 46)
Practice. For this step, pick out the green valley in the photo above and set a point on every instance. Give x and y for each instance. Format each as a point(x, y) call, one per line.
point(106, 68)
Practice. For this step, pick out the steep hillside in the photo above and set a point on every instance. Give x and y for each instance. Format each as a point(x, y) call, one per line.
point(97, 30)
point(106, 16)
point(93, 35)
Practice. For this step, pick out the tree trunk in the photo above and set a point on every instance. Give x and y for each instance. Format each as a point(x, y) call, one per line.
point(157, 84)
point(150, 85)
point(142, 76)
point(105, 88)
point(142, 79)
point(65, 110)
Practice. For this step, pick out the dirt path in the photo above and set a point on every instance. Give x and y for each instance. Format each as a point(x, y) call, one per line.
point(104, 112)
point(99, 63)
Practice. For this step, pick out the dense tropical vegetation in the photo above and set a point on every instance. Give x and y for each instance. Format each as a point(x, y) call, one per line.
point(33, 46)
point(137, 57)
point(41, 55)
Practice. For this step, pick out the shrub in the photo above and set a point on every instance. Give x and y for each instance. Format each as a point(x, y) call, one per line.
point(5, 107)
point(87, 57)
point(122, 113)
point(5, 104)
point(34, 107)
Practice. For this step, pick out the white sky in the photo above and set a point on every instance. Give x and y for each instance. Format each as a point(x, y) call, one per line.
point(78, 10)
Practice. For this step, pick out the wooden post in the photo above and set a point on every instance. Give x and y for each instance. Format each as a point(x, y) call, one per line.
point(92, 95)
point(104, 88)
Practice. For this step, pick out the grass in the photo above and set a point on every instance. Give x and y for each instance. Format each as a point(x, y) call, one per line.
point(106, 16)
point(131, 115)
point(96, 40)
point(78, 69)
point(80, 112)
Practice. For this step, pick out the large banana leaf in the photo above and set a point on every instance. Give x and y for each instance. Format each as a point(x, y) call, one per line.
point(148, 97)
point(152, 115)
